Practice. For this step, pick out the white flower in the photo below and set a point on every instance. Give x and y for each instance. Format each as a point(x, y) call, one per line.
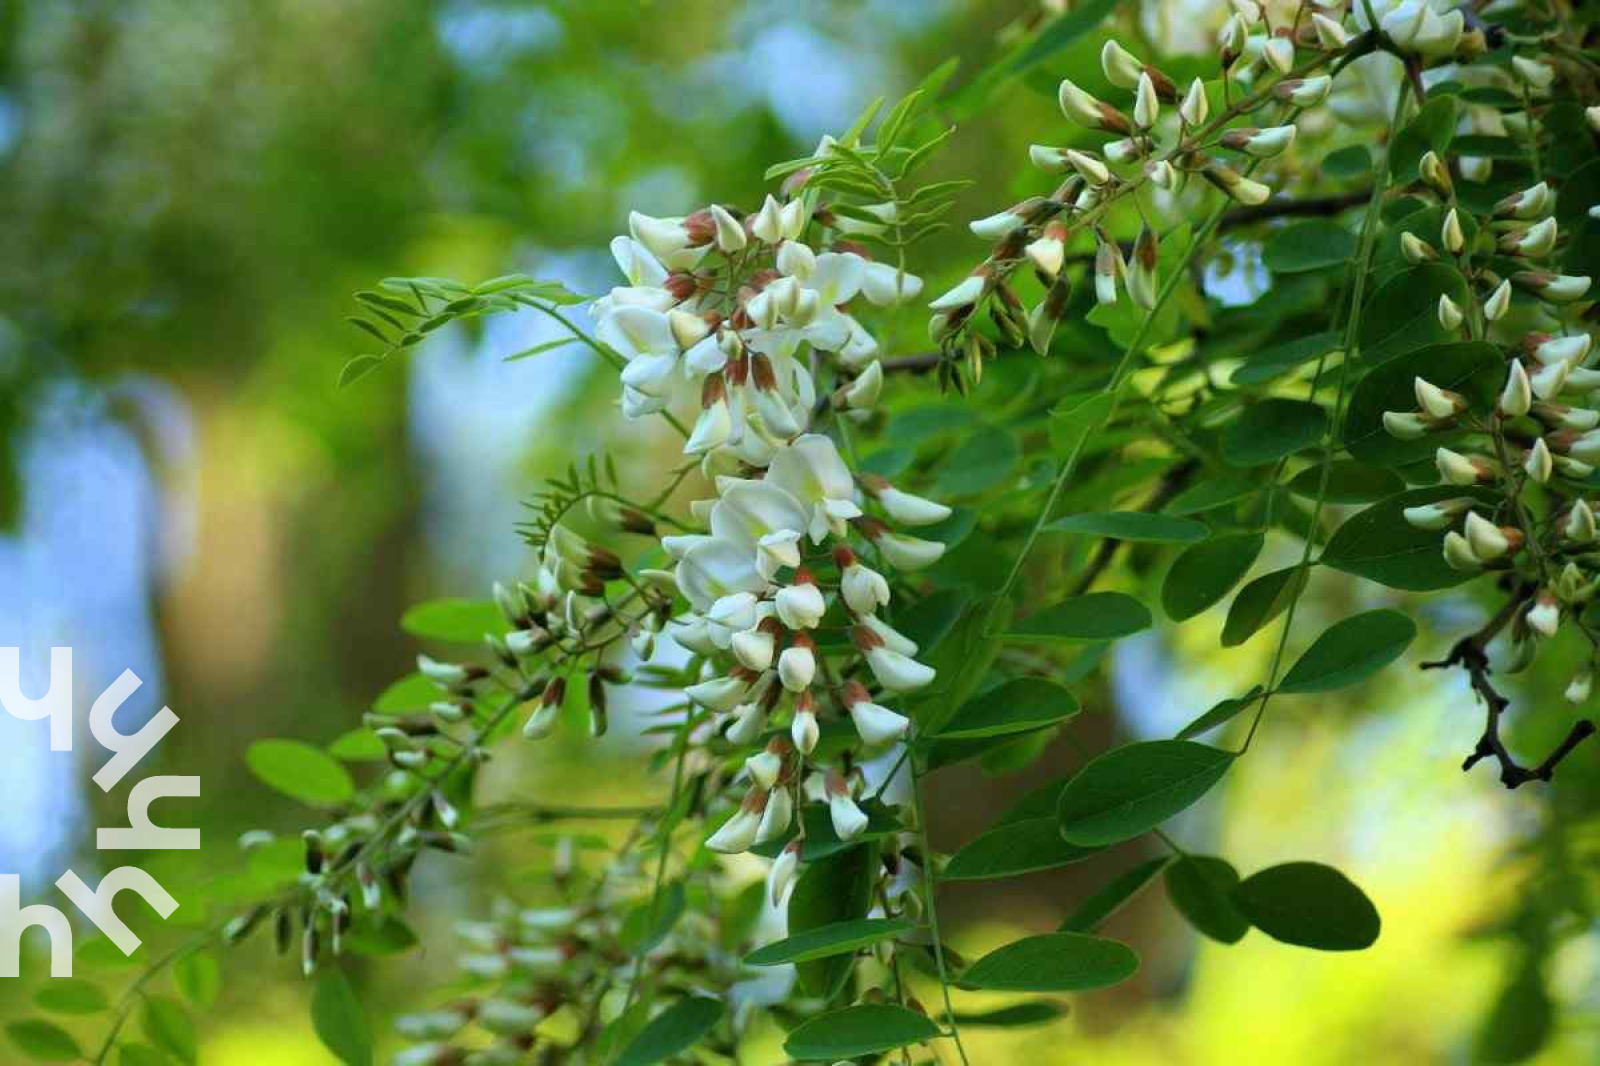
point(1121, 67)
point(906, 508)
point(849, 820)
point(1487, 540)
point(800, 606)
point(863, 588)
point(748, 721)
point(803, 729)
point(797, 667)
point(713, 568)
point(908, 553)
point(764, 768)
point(753, 648)
point(785, 868)
point(776, 818)
point(891, 637)
point(885, 285)
point(811, 471)
point(897, 672)
point(966, 292)
point(641, 268)
point(1545, 615)
point(719, 693)
point(1196, 106)
point(739, 832)
point(877, 725)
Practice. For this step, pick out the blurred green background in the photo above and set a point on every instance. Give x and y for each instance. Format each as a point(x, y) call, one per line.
point(190, 193)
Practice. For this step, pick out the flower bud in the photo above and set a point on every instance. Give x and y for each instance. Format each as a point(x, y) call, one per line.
point(849, 820)
point(1535, 242)
point(1108, 268)
point(1498, 303)
point(1121, 68)
point(1450, 316)
point(1538, 463)
point(785, 869)
point(1142, 276)
point(1458, 554)
point(1089, 112)
point(730, 235)
point(876, 725)
point(1545, 615)
point(1235, 185)
point(1262, 144)
point(1549, 380)
point(754, 648)
point(1439, 403)
point(1438, 515)
point(765, 766)
point(1304, 92)
point(1279, 53)
point(739, 832)
point(1086, 164)
point(803, 729)
point(1530, 203)
point(800, 605)
point(1516, 398)
point(1487, 540)
point(1459, 469)
point(797, 666)
point(1415, 249)
point(1196, 107)
point(1451, 235)
point(1407, 425)
point(1538, 76)
point(1555, 288)
point(1435, 174)
point(966, 293)
point(1580, 686)
point(1571, 349)
point(1331, 35)
point(1146, 106)
point(1579, 524)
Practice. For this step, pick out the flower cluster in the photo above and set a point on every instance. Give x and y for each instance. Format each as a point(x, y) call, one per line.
point(1166, 135)
point(1533, 447)
point(720, 305)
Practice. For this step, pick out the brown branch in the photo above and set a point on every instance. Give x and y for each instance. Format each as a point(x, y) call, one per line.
point(1468, 653)
point(1311, 207)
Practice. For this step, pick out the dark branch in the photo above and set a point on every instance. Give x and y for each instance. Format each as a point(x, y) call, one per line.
point(1314, 207)
point(1469, 654)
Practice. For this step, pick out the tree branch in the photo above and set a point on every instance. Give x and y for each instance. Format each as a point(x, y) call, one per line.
point(1315, 207)
point(1468, 653)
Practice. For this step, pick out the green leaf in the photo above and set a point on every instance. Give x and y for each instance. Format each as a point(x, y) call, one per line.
point(1348, 482)
point(647, 925)
point(1212, 493)
point(1012, 848)
point(1473, 368)
point(339, 1019)
point(837, 939)
point(1352, 161)
point(1224, 711)
point(673, 1031)
point(1262, 600)
point(1201, 887)
point(1131, 525)
point(831, 890)
point(1520, 1022)
point(300, 772)
point(168, 1026)
point(962, 660)
point(43, 1041)
point(1056, 36)
point(982, 462)
point(1270, 430)
point(414, 692)
point(1132, 789)
point(1034, 1012)
point(865, 1029)
point(1430, 130)
point(199, 977)
point(1014, 707)
point(1351, 651)
point(1053, 962)
point(1279, 359)
point(71, 995)
point(1089, 914)
point(1093, 617)
point(359, 745)
point(1403, 314)
point(358, 368)
point(462, 621)
point(1310, 905)
point(140, 1055)
point(1310, 245)
point(1205, 572)
point(1380, 545)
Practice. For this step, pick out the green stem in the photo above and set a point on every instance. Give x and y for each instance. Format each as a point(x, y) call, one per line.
point(930, 882)
point(1358, 280)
